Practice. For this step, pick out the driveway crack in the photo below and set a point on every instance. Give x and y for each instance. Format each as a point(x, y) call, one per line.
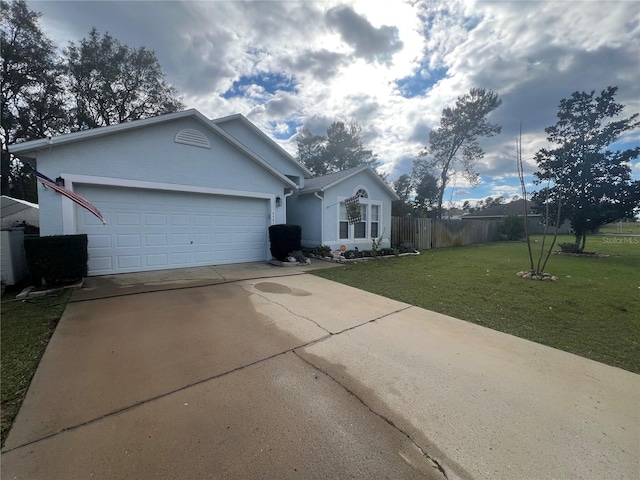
point(287, 309)
point(435, 462)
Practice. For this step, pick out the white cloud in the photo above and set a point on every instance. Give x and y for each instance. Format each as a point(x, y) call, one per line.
point(346, 57)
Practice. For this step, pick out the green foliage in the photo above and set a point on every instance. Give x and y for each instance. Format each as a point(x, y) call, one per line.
point(590, 184)
point(322, 249)
point(57, 259)
point(342, 148)
point(406, 247)
point(94, 83)
point(284, 239)
point(113, 83)
point(512, 226)
point(375, 246)
point(427, 192)
point(590, 311)
point(455, 141)
point(32, 93)
point(488, 202)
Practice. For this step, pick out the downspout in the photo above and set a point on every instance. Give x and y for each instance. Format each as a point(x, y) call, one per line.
point(321, 217)
point(286, 195)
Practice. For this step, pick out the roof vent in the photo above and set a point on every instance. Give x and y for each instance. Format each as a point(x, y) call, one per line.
point(192, 137)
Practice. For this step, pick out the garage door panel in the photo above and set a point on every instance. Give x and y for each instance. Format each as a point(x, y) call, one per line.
point(151, 230)
point(155, 219)
point(98, 263)
point(127, 262)
point(155, 240)
point(159, 260)
point(130, 240)
point(127, 219)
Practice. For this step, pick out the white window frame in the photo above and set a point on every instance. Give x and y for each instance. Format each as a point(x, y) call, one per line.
point(366, 203)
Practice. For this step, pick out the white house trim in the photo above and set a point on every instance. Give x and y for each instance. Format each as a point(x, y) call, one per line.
point(69, 223)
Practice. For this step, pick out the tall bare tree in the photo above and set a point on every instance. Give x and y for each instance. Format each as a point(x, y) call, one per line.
point(455, 141)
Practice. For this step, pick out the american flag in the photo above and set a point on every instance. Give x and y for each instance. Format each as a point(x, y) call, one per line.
point(74, 197)
point(353, 209)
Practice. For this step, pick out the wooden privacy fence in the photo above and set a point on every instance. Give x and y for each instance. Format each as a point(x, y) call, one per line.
point(425, 233)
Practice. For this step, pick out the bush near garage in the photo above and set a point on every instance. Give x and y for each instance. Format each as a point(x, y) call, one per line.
point(284, 239)
point(57, 259)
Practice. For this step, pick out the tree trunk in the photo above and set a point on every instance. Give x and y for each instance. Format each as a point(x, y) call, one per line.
point(443, 185)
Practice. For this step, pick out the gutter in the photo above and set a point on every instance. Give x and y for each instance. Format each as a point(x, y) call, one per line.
point(315, 194)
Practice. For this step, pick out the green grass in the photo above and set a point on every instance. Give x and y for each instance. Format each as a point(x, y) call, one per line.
point(592, 310)
point(624, 228)
point(25, 331)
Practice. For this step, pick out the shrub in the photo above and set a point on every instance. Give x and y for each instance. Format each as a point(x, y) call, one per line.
point(406, 247)
point(512, 226)
point(284, 239)
point(57, 259)
point(320, 250)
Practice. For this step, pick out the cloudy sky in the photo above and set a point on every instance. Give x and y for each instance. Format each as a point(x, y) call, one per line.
point(390, 65)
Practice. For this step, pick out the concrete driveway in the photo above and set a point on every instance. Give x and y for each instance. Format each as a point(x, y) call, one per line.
point(275, 373)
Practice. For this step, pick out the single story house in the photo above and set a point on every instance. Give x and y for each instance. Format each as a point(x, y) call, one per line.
point(498, 212)
point(181, 190)
point(319, 208)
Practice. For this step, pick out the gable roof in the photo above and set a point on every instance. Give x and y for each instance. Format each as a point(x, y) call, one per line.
point(29, 148)
point(323, 182)
point(245, 121)
point(511, 208)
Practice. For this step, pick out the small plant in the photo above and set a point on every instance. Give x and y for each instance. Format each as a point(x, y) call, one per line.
point(298, 256)
point(375, 245)
point(323, 250)
point(406, 247)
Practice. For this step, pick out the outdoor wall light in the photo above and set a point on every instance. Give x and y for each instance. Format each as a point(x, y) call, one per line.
point(278, 202)
point(60, 181)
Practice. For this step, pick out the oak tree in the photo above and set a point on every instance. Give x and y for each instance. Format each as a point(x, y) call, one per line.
point(111, 83)
point(32, 100)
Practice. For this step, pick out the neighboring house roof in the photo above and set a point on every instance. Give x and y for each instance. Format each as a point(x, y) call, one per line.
point(29, 148)
point(18, 212)
point(499, 211)
point(323, 182)
point(264, 136)
point(12, 205)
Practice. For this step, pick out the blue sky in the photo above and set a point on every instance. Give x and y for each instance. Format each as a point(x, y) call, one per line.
point(390, 65)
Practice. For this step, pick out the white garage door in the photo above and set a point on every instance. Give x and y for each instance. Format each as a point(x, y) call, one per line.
point(153, 230)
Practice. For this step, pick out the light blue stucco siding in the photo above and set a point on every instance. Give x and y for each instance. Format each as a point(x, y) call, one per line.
point(150, 154)
point(237, 129)
point(377, 194)
point(305, 210)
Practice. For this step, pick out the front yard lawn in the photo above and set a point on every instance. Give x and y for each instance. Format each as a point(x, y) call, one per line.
point(592, 310)
point(25, 331)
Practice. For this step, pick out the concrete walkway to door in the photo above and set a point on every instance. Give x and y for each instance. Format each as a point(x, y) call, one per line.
point(287, 375)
